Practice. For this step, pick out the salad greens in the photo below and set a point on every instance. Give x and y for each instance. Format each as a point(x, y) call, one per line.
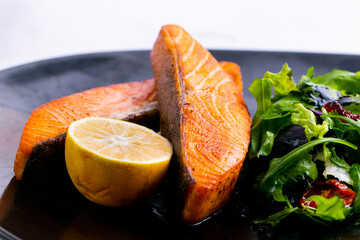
point(306, 118)
point(297, 163)
point(316, 120)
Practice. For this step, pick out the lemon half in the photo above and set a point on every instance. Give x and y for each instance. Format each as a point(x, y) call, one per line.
point(113, 162)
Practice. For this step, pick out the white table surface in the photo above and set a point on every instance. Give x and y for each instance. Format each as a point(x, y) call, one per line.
point(32, 30)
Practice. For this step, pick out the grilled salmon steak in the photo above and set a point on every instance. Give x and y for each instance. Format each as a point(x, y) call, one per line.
point(204, 115)
point(41, 149)
point(44, 132)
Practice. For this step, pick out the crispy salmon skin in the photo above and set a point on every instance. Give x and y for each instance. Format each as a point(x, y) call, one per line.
point(203, 113)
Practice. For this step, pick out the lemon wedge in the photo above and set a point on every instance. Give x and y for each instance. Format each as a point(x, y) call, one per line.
point(113, 162)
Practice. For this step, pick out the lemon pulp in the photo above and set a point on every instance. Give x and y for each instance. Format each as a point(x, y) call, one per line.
point(113, 162)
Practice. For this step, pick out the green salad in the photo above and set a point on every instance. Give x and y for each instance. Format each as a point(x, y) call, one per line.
point(304, 142)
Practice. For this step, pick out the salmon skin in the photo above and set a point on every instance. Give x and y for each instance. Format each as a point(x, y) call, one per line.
point(41, 148)
point(204, 115)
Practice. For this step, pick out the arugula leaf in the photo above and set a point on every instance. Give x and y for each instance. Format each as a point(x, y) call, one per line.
point(341, 129)
point(270, 128)
point(261, 90)
point(353, 123)
point(266, 122)
point(301, 170)
point(356, 204)
point(343, 81)
point(335, 159)
point(319, 94)
point(344, 130)
point(355, 177)
point(274, 219)
point(284, 106)
point(306, 118)
point(281, 103)
point(332, 209)
point(335, 166)
point(279, 167)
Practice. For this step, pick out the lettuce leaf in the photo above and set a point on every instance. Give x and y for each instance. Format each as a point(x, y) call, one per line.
point(302, 169)
point(282, 81)
point(343, 81)
point(284, 106)
point(261, 90)
point(318, 94)
point(306, 118)
point(267, 122)
point(282, 102)
point(332, 209)
point(263, 136)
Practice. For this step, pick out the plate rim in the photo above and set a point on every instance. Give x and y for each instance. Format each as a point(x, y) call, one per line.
point(88, 54)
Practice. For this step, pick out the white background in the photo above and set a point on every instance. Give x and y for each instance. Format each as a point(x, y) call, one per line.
point(32, 30)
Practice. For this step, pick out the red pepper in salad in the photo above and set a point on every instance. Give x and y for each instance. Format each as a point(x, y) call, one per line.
point(335, 106)
point(328, 189)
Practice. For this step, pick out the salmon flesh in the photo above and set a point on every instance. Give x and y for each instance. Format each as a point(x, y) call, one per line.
point(41, 148)
point(40, 156)
point(204, 115)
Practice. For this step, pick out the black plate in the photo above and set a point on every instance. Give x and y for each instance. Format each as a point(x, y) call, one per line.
point(62, 213)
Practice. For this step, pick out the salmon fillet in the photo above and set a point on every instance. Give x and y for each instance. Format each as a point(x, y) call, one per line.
point(204, 115)
point(40, 154)
point(44, 129)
